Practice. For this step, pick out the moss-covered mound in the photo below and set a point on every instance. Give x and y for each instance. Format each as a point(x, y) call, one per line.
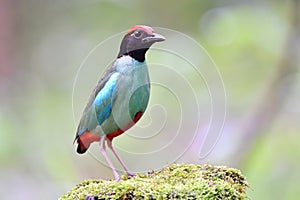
point(178, 181)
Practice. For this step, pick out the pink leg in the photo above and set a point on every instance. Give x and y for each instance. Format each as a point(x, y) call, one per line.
point(103, 151)
point(109, 143)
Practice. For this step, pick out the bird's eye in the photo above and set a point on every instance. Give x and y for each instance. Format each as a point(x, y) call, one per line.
point(137, 34)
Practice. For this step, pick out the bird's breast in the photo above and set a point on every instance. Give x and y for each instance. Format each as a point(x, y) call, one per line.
point(132, 97)
point(134, 90)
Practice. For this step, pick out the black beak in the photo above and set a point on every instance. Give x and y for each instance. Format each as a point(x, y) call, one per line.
point(154, 38)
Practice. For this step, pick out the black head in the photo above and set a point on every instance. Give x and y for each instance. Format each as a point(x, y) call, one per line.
point(137, 41)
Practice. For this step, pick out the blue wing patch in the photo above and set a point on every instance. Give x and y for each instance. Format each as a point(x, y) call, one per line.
point(104, 100)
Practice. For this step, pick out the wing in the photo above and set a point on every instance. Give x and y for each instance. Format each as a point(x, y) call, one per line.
point(100, 103)
point(105, 98)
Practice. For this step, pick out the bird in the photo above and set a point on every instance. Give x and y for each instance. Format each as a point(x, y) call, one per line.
point(121, 96)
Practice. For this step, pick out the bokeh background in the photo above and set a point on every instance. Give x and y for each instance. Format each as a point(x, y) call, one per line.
point(255, 46)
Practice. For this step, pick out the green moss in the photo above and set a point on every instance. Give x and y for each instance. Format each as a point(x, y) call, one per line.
point(178, 181)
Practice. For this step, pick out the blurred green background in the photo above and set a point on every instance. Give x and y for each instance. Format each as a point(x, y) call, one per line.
point(255, 45)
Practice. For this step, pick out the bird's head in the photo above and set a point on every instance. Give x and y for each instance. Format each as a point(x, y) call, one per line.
point(137, 40)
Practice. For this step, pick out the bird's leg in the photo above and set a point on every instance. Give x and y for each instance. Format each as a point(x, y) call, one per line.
point(103, 151)
point(109, 143)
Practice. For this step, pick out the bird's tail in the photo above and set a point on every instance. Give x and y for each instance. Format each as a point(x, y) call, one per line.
point(84, 141)
point(81, 148)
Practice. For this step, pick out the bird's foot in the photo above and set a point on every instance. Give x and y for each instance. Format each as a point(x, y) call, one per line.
point(126, 176)
point(117, 177)
point(130, 174)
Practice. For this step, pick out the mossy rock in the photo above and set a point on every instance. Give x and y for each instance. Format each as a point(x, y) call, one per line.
point(177, 181)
